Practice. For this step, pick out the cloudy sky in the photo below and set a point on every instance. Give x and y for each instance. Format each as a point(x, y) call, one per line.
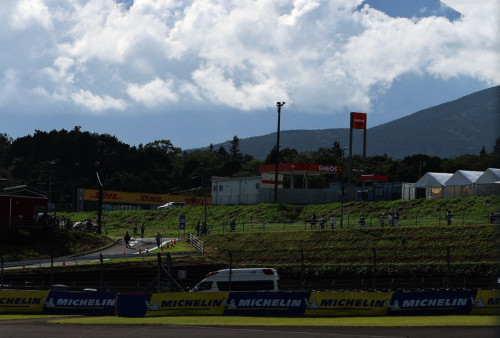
point(202, 71)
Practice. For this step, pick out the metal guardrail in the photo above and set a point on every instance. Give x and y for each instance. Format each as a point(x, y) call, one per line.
point(63, 261)
point(197, 243)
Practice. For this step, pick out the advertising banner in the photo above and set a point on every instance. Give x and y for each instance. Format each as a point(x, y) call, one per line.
point(187, 303)
point(348, 303)
point(22, 301)
point(82, 303)
point(486, 302)
point(431, 303)
point(111, 196)
point(358, 120)
point(299, 168)
point(266, 303)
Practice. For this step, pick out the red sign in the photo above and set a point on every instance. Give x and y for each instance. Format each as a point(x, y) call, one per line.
point(358, 120)
point(302, 167)
point(372, 177)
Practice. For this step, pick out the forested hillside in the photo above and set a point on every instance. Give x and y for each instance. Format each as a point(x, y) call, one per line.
point(59, 162)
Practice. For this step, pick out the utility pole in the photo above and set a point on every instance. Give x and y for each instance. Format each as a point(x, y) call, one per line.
point(279, 105)
point(342, 191)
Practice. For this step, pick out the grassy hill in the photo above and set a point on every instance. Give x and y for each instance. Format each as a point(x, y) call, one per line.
point(280, 236)
point(277, 217)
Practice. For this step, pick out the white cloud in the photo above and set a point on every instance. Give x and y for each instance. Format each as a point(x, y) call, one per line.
point(28, 12)
point(153, 93)
point(97, 103)
point(318, 56)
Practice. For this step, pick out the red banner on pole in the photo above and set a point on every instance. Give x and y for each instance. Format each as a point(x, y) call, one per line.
point(358, 120)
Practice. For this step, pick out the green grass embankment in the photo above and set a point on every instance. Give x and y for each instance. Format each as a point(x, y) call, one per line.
point(470, 250)
point(474, 210)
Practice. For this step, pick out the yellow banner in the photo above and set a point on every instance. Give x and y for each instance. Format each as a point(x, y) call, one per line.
point(111, 196)
point(187, 303)
point(348, 303)
point(13, 301)
point(487, 302)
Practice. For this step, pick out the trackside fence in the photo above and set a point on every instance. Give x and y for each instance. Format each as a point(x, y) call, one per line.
point(318, 268)
point(348, 221)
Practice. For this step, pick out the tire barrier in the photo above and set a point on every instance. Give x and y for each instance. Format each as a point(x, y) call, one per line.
point(241, 303)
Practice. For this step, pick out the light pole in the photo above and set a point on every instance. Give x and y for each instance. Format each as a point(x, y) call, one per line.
point(342, 191)
point(51, 168)
point(279, 105)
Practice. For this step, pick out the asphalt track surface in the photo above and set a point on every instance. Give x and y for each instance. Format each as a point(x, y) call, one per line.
point(116, 249)
point(29, 328)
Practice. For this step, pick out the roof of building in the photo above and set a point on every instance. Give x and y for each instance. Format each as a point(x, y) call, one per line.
point(463, 177)
point(491, 175)
point(433, 180)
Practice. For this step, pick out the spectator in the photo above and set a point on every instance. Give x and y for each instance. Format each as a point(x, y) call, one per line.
point(448, 217)
point(322, 222)
point(198, 229)
point(396, 218)
point(390, 220)
point(135, 231)
point(313, 221)
point(126, 238)
point(362, 221)
point(332, 221)
point(232, 225)
point(158, 239)
point(381, 219)
point(142, 230)
point(492, 218)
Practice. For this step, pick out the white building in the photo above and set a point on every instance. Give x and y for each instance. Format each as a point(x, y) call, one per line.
point(235, 190)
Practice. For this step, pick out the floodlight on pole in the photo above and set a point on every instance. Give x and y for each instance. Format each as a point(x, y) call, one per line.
point(279, 105)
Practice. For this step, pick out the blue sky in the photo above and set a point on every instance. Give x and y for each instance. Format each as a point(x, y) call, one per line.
point(202, 71)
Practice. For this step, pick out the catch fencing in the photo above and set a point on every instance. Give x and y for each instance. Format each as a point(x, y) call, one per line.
point(348, 221)
point(313, 269)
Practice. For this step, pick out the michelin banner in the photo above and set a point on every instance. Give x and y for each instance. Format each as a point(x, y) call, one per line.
point(266, 303)
point(348, 303)
point(22, 301)
point(187, 303)
point(449, 302)
point(486, 302)
point(81, 303)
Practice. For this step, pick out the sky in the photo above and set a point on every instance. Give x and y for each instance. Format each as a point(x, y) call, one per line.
point(200, 72)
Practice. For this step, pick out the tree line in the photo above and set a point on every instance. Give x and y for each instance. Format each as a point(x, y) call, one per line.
point(61, 161)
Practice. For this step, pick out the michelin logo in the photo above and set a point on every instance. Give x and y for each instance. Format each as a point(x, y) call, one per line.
point(71, 302)
point(427, 303)
point(264, 303)
point(152, 307)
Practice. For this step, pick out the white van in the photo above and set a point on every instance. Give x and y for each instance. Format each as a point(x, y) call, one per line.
point(253, 279)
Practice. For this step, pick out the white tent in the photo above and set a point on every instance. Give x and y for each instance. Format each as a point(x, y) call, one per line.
point(461, 184)
point(433, 184)
point(488, 183)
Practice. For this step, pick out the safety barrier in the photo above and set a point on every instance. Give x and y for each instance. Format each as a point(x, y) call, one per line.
point(298, 303)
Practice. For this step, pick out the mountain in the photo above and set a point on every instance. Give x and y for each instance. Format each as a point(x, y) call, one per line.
point(447, 130)
point(414, 8)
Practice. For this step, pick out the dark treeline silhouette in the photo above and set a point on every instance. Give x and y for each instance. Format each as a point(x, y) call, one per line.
point(59, 162)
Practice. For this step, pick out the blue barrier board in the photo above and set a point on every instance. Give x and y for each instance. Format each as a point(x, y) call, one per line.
point(449, 302)
point(266, 303)
point(84, 303)
point(132, 305)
